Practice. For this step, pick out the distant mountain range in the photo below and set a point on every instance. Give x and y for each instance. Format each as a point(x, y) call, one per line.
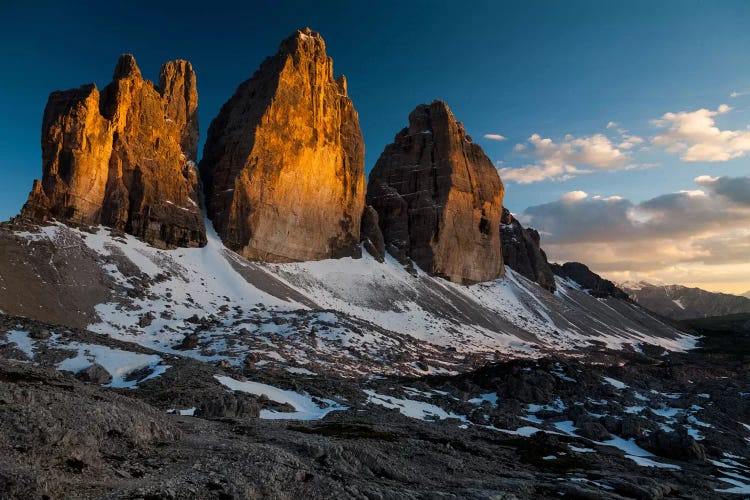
point(680, 302)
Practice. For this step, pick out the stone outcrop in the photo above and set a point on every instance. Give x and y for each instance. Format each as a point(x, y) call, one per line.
point(124, 157)
point(370, 234)
point(439, 198)
point(283, 165)
point(522, 252)
point(593, 283)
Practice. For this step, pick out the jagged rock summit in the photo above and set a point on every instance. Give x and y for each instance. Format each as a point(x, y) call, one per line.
point(124, 157)
point(439, 198)
point(522, 252)
point(283, 165)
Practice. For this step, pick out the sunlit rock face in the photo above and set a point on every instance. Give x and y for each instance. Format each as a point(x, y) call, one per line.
point(283, 165)
point(439, 198)
point(124, 157)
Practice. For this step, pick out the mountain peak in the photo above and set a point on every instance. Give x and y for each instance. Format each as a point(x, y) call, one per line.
point(283, 164)
point(122, 157)
point(439, 198)
point(126, 68)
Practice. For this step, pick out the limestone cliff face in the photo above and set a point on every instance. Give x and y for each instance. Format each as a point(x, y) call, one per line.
point(522, 252)
point(439, 198)
point(283, 165)
point(124, 157)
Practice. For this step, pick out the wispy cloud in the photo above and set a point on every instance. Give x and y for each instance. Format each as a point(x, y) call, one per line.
point(495, 137)
point(570, 157)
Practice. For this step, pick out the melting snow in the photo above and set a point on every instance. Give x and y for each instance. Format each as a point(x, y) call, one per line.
point(490, 397)
point(647, 462)
point(305, 406)
point(581, 450)
point(23, 342)
point(615, 383)
point(117, 362)
point(410, 408)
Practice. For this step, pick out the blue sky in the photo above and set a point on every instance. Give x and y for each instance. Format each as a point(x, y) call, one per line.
point(561, 70)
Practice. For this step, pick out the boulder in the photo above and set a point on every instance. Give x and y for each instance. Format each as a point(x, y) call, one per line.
point(675, 444)
point(283, 165)
point(189, 342)
point(230, 405)
point(124, 157)
point(439, 198)
point(95, 374)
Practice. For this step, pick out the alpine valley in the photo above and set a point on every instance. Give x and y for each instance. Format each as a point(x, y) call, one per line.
point(262, 322)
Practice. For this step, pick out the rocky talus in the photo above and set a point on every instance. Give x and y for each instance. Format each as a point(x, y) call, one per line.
point(124, 157)
point(439, 198)
point(283, 165)
point(522, 252)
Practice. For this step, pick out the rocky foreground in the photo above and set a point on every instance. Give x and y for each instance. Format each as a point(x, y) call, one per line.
point(604, 424)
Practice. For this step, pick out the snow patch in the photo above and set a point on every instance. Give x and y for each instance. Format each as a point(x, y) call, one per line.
point(410, 408)
point(22, 341)
point(306, 407)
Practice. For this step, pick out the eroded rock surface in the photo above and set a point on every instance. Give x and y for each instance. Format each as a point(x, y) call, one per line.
point(124, 157)
point(283, 165)
point(439, 198)
point(522, 252)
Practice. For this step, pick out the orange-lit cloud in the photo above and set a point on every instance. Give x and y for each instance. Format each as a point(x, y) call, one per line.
point(698, 237)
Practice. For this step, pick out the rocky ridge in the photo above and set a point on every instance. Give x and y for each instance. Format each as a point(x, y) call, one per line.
point(439, 198)
point(283, 165)
point(522, 252)
point(124, 157)
point(590, 281)
point(680, 302)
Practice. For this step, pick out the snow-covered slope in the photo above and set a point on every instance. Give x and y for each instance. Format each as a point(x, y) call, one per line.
point(352, 316)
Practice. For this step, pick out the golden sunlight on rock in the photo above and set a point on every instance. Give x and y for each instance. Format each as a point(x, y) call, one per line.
point(283, 164)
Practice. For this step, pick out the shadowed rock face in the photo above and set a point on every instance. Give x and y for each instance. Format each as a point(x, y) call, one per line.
point(371, 235)
point(593, 283)
point(283, 165)
point(439, 198)
point(124, 157)
point(522, 253)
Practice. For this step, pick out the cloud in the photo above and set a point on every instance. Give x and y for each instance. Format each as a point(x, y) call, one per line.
point(696, 137)
point(568, 158)
point(736, 189)
point(682, 237)
point(741, 93)
point(574, 196)
point(629, 141)
point(612, 124)
point(495, 137)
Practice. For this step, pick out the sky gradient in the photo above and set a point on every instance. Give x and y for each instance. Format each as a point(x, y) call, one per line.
point(589, 109)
